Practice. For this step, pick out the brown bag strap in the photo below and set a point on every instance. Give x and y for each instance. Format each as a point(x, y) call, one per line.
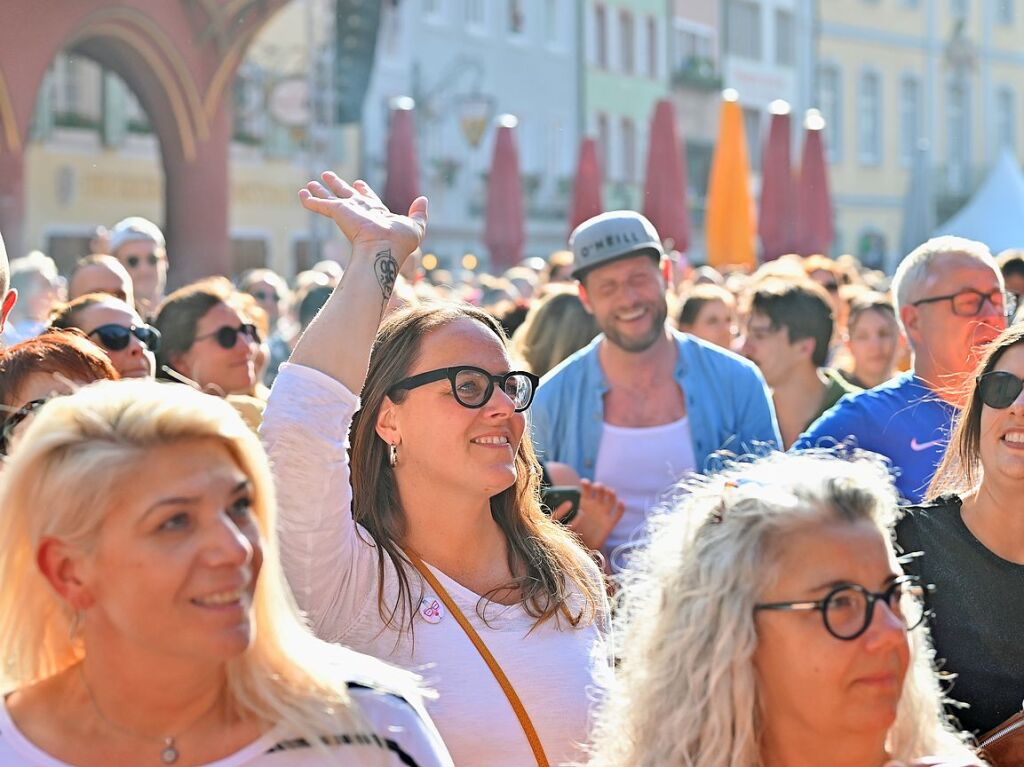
point(492, 664)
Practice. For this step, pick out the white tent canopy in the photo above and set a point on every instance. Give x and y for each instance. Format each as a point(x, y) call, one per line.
point(995, 214)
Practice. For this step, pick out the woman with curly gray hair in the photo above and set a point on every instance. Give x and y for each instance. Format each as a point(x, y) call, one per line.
point(769, 624)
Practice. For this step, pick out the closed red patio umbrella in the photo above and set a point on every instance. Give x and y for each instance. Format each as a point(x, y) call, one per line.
point(814, 200)
point(776, 221)
point(665, 183)
point(504, 232)
point(402, 184)
point(586, 187)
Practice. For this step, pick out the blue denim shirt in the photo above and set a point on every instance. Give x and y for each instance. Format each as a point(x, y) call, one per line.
point(728, 405)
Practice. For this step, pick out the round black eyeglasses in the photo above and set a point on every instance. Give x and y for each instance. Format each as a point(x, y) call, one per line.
point(473, 386)
point(847, 609)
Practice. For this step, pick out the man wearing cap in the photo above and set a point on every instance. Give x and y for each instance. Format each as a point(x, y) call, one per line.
point(643, 405)
point(139, 245)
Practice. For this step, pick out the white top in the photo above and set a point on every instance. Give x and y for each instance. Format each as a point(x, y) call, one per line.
point(405, 739)
point(331, 565)
point(641, 465)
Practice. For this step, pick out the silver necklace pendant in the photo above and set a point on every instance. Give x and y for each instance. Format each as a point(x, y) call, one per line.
point(170, 754)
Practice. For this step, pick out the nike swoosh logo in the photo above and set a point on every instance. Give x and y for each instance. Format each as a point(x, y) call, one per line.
point(919, 446)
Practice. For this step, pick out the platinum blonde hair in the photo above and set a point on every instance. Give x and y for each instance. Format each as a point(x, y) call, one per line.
point(686, 691)
point(912, 272)
point(65, 473)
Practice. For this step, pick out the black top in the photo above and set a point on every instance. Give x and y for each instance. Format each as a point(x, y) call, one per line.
point(978, 611)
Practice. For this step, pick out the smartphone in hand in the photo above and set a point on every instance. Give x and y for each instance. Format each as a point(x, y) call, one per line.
point(553, 497)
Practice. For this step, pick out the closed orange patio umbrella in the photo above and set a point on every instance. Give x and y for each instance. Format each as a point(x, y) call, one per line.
point(730, 226)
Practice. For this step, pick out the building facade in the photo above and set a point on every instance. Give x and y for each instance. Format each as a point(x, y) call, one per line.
point(92, 156)
point(465, 63)
point(893, 73)
point(626, 71)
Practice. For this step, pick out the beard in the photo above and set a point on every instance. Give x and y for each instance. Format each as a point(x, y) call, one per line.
point(641, 343)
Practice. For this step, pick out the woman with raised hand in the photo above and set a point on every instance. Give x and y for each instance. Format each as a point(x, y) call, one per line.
point(437, 555)
point(769, 624)
point(148, 622)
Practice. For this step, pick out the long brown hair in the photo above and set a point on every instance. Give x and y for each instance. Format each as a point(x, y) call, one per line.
point(549, 557)
point(961, 469)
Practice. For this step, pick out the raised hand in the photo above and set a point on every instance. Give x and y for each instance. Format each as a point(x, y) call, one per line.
point(363, 218)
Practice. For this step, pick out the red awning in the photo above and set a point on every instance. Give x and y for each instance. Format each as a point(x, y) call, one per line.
point(504, 232)
point(776, 221)
point(402, 185)
point(665, 184)
point(814, 200)
point(586, 188)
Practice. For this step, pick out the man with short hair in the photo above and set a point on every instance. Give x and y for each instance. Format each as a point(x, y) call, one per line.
point(950, 301)
point(1011, 264)
point(642, 405)
point(787, 336)
point(7, 296)
point(101, 274)
point(40, 288)
point(139, 245)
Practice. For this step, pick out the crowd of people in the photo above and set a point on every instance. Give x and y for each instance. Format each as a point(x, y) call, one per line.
point(603, 509)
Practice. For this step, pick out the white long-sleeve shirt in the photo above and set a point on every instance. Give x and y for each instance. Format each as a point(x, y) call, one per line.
point(331, 564)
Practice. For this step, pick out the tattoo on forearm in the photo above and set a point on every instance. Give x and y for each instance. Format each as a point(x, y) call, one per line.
point(386, 269)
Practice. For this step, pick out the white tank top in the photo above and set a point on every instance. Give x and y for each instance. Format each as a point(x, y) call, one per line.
point(641, 465)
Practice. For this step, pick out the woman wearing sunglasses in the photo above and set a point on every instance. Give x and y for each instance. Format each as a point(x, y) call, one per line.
point(436, 555)
point(769, 624)
point(149, 623)
point(116, 328)
point(971, 542)
point(206, 338)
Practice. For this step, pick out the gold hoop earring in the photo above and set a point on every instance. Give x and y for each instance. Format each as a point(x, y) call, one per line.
point(392, 455)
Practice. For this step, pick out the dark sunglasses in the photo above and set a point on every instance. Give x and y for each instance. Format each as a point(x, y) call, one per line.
point(133, 261)
point(262, 295)
point(473, 386)
point(9, 424)
point(999, 389)
point(116, 337)
point(227, 336)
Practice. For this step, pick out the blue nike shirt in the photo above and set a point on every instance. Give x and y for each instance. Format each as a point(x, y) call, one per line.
point(901, 419)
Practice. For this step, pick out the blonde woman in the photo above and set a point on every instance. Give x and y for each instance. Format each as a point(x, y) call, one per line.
point(144, 618)
point(770, 625)
point(424, 543)
point(556, 327)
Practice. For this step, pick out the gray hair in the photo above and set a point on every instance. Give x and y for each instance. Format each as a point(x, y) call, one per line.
point(686, 692)
point(912, 272)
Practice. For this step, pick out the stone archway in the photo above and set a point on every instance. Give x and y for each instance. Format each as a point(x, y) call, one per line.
point(179, 57)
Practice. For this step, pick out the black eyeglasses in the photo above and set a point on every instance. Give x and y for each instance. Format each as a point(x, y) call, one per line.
point(9, 424)
point(473, 386)
point(847, 609)
point(132, 262)
point(970, 302)
point(999, 388)
point(116, 337)
point(227, 336)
